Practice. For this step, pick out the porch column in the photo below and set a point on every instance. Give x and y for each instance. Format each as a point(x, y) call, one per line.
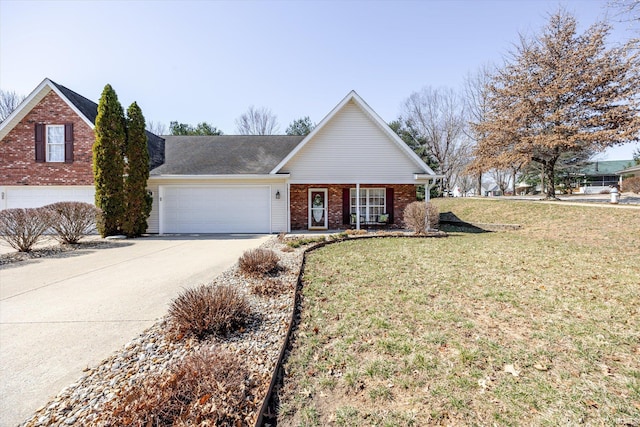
point(357, 206)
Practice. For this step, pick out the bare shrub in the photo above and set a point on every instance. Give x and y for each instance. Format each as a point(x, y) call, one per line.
point(415, 217)
point(354, 232)
point(73, 220)
point(206, 388)
point(206, 310)
point(258, 262)
point(269, 287)
point(22, 228)
point(631, 185)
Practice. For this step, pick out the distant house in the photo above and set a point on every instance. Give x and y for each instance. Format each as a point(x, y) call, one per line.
point(629, 172)
point(352, 170)
point(599, 176)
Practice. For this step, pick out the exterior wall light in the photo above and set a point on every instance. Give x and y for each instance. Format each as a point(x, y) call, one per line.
point(278, 195)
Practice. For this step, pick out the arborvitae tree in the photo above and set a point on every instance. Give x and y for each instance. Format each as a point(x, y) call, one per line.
point(562, 93)
point(137, 199)
point(108, 162)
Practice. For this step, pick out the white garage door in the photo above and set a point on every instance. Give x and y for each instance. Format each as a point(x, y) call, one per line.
point(208, 209)
point(34, 197)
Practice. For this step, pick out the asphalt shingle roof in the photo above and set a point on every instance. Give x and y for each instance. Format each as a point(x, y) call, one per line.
point(605, 167)
point(225, 154)
point(89, 109)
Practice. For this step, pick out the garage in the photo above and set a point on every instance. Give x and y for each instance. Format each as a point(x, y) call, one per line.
point(215, 209)
point(37, 196)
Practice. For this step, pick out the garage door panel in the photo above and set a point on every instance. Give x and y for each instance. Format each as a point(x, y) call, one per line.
point(216, 209)
point(33, 197)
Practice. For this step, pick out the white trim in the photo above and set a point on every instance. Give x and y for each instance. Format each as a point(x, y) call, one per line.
point(377, 119)
point(41, 91)
point(47, 143)
point(216, 177)
point(288, 207)
point(364, 182)
point(326, 208)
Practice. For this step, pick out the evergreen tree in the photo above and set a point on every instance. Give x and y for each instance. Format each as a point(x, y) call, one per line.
point(137, 199)
point(108, 162)
point(301, 127)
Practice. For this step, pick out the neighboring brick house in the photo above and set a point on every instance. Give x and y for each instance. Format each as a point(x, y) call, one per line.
point(46, 149)
point(351, 171)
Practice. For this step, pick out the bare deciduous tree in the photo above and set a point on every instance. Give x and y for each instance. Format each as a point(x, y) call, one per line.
point(477, 106)
point(501, 178)
point(560, 93)
point(438, 118)
point(157, 128)
point(9, 101)
point(257, 121)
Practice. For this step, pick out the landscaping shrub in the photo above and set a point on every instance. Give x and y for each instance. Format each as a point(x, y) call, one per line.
point(303, 241)
point(269, 287)
point(258, 262)
point(415, 217)
point(206, 310)
point(22, 228)
point(631, 185)
point(72, 220)
point(207, 388)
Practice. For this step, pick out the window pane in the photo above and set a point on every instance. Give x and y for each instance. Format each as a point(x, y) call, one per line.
point(56, 152)
point(55, 134)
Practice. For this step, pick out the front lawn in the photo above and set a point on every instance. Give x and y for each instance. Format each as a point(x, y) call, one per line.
point(539, 326)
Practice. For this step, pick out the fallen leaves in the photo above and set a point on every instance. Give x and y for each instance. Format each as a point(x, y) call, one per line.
point(511, 369)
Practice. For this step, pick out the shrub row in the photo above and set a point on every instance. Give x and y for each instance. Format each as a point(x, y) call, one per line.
point(69, 221)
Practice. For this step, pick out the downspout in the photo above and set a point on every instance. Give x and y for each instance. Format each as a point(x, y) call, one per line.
point(357, 206)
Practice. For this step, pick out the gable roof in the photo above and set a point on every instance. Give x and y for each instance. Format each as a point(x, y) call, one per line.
point(604, 167)
point(224, 154)
point(393, 137)
point(86, 109)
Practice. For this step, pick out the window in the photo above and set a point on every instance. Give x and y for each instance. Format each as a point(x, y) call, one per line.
point(372, 204)
point(55, 143)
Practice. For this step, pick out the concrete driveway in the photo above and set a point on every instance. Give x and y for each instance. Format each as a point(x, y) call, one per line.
point(61, 315)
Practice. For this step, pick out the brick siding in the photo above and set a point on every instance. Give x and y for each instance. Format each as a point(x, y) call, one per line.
point(299, 194)
point(17, 149)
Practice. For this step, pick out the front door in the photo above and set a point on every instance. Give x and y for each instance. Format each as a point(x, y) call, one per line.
point(318, 209)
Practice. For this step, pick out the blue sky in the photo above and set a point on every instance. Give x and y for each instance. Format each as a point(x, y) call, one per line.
point(196, 61)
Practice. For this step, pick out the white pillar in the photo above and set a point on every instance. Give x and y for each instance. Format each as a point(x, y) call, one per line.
point(357, 206)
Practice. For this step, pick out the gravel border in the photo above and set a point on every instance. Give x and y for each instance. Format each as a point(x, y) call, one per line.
point(152, 352)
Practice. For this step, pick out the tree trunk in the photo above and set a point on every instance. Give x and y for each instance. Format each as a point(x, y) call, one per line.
point(480, 184)
point(549, 174)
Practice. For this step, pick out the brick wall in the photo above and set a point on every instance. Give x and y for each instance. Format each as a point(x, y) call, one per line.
point(17, 149)
point(403, 195)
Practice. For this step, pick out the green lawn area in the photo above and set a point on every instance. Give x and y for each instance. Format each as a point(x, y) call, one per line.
point(539, 326)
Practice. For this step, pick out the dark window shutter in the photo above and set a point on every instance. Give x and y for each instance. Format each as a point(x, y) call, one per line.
point(39, 147)
point(68, 143)
point(346, 206)
point(389, 202)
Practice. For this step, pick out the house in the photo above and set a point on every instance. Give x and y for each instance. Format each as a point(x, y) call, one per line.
point(45, 149)
point(351, 171)
point(598, 176)
point(629, 172)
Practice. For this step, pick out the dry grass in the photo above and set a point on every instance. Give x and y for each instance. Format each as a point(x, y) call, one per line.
point(539, 326)
point(208, 310)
